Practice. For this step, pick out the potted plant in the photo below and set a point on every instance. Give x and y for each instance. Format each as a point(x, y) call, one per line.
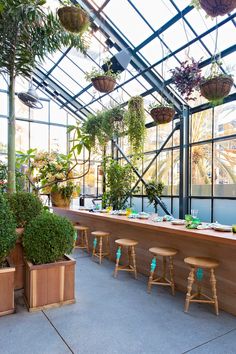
point(73, 17)
point(154, 189)
point(7, 270)
point(215, 8)
point(162, 113)
point(24, 206)
point(216, 86)
point(33, 32)
point(119, 181)
point(187, 78)
point(103, 81)
point(135, 121)
point(50, 272)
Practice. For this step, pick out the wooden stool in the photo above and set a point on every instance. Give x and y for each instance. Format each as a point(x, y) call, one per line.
point(196, 264)
point(131, 253)
point(163, 280)
point(82, 237)
point(98, 240)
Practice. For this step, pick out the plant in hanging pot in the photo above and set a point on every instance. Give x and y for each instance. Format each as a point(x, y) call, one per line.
point(73, 17)
point(103, 81)
point(215, 8)
point(135, 121)
point(217, 85)
point(154, 189)
point(7, 270)
point(187, 78)
point(50, 272)
point(162, 113)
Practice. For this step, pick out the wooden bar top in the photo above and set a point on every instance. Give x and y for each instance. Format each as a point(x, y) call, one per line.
point(208, 234)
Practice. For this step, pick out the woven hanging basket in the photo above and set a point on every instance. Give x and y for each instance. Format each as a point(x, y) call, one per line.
point(59, 201)
point(73, 19)
point(162, 115)
point(216, 88)
point(104, 83)
point(215, 8)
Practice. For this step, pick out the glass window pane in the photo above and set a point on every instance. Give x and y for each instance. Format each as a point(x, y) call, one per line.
point(201, 173)
point(201, 126)
point(58, 139)
point(22, 111)
point(3, 104)
point(3, 135)
point(40, 114)
point(175, 168)
point(204, 208)
point(224, 211)
point(164, 163)
point(57, 114)
point(39, 136)
point(225, 119)
point(22, 136)
point(225, 168)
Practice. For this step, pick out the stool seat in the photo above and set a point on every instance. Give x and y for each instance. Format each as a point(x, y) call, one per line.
point(202, 262)
point(100, 234)
point(126, 242)
point(80, 228)
point(163, 251)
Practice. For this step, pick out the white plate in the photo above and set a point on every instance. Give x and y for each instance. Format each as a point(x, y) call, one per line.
point(224, 228)
point(178, 222)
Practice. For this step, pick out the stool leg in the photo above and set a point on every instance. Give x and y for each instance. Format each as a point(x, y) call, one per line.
point(129, 254)
point(164, 268)
point(100, 250)
point(134, 261)
point(86, 240)
point(94, 246)
point(118, 254)
point(153, 267)
point(213, 286)
point(171, 267)
point(190, 284)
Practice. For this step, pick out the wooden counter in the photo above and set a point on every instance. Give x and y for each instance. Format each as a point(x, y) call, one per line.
point(208, 243)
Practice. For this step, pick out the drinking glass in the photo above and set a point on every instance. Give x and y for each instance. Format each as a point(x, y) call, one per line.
point(194, 213)
point(234, 228)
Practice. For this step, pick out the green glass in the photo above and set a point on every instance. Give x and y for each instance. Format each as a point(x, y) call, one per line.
point(188, 217)
point(234, 228)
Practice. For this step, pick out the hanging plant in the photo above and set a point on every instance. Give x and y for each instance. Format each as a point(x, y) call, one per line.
point(154, 189)
point(73, 18)
point(187, 78)
point(216, 86)
point(135, 120)
point(215, 8)
point(162, 113)
point(103, 81)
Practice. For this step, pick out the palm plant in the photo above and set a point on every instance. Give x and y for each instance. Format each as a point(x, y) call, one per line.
point(28, 31)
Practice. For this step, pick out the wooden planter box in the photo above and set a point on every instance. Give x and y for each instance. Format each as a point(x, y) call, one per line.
point(7, 305)
point(17, 258)
point(49, 285)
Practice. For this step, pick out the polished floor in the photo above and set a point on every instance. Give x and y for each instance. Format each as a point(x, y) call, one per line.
point(117, 316)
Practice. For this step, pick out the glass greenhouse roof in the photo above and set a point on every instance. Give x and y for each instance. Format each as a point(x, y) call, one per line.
point(160, 35)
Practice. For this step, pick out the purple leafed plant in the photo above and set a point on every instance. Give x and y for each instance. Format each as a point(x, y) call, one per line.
point(187, 78)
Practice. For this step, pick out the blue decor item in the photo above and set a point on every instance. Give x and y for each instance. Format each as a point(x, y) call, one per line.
point(95, 241)
point(153, 264)
point(75, 235)
point(118, 253)
point(199, 274)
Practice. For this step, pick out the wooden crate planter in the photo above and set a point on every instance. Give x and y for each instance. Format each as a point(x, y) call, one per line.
point(7, 305)
point(17, 258)
point(49, 285)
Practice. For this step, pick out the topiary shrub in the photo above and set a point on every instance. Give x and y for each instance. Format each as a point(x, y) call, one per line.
point(7, 229)
point(25, 206)
point(47, 238)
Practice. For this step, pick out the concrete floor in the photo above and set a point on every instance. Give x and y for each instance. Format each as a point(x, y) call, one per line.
point(117, 316)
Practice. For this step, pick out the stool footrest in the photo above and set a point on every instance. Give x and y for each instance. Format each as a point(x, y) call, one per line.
point(127, 268)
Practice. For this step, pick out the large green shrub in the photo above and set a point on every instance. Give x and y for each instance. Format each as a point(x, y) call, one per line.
point(47, 238)
point(25, 206)
point(7, 229)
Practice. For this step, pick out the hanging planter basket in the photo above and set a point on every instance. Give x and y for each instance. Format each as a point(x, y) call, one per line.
point(216, 88)
point(104, 83)
point(162, 115)
point(73, 19)
point(216, 8)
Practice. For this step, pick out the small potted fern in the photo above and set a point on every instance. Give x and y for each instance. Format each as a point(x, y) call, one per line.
point(154, 189)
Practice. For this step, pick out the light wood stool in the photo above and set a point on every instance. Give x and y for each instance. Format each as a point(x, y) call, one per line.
point(164, 252)
point(82, 237)
point(197, 265)
point(98, 241)
point(130, 244)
